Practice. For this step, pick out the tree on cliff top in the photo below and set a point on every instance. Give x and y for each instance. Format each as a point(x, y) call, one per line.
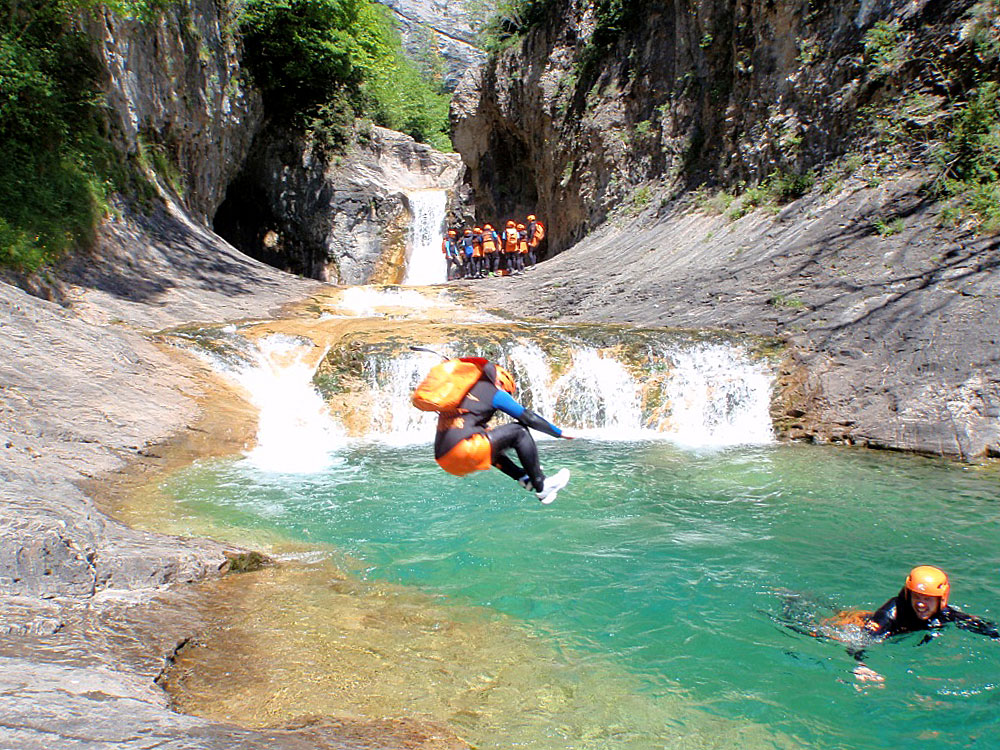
point(51, 194)
point(325, 61)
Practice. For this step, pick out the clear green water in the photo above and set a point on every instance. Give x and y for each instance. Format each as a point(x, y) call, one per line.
point(676, 566)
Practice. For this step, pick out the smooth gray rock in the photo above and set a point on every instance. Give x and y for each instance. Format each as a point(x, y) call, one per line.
point(174, 86)
point(443, 27)
point(893, 339)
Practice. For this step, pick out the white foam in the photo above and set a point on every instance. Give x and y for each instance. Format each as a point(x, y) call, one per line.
point(375, 301)
point(295, 432)
point(714, 396)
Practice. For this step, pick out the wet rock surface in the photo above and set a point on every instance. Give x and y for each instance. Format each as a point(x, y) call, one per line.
point(91, 611)
point(893, 339)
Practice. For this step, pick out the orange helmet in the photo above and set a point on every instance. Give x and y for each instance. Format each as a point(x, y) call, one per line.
point(510, 223)
point(520, 226)
point(477, 229)
point(504, 380)
point(531, 218)
point(451, 232)
point(487, 226)
point(930, 581)
point(468, 231)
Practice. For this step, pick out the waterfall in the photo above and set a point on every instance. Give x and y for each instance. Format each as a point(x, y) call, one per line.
point(391, 382)
point(295, 432)
point(425, 263)
point(717, 396)
point(697, 394)
point(690, 392)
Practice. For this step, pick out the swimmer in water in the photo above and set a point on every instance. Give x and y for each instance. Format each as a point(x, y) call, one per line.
point(922, 604)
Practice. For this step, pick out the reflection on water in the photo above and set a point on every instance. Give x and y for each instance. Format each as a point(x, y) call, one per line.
point(641, 610)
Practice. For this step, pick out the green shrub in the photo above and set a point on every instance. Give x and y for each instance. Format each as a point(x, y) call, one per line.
point(779, 187)
point(510, 20)
point(884, 47)
point(981, 29)
point(888, 228)
point(782, 300)
point(56, 170)
point(319, 63)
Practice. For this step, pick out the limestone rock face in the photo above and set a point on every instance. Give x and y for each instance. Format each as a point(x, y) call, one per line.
point(341, 219)
point(572, 121)
point(176, 94)
point(440, 27)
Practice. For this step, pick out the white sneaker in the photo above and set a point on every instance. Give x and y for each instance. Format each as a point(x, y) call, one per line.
point(552, 486)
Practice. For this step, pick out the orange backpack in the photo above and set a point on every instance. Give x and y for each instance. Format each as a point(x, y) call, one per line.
point(447, 384)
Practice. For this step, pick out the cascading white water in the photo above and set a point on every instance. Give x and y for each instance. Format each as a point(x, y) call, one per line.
point(528, 363)
point(425, 263)
point(717, 396)
point(295, 433)
point(599, 394)
point(391, 381)
point(712, 395)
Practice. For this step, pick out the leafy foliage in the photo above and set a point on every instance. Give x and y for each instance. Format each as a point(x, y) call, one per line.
point(54, 175)
point(969, 157)
point(884, 46)
point(511, 20)
point(321, 62)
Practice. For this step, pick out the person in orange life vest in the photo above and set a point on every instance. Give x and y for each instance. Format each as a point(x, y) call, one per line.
point(450, 249)
point(477, 252)
point(510, 240)
point(536, 233)
point(922, 604)
point(463, 443)
point(490, 244)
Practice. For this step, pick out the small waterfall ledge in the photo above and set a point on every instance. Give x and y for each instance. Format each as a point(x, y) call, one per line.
point(696, 394)
point(604, 384)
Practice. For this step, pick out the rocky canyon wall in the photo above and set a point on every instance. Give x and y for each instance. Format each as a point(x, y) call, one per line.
point(645, 138)
point(338, 218)
point(177, 97)
point(590, 105)
point(441, 29)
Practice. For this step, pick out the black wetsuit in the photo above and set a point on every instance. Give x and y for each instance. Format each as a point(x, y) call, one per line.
point(478, 407)
point(897, 616)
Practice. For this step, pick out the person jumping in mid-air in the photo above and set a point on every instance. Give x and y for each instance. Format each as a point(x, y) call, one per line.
point(464, 444)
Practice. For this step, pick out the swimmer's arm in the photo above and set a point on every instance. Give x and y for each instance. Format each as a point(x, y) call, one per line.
point(503, 402)
point(876, 626)
point(974, 624)
point(879, 623)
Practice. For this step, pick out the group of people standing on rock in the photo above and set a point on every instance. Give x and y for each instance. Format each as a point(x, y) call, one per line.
point(482, 251)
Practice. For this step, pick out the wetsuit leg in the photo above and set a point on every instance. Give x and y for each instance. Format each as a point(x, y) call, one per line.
point(509, 468)
point(516, 436)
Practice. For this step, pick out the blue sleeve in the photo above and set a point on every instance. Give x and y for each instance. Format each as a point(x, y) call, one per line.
point(505, 403)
